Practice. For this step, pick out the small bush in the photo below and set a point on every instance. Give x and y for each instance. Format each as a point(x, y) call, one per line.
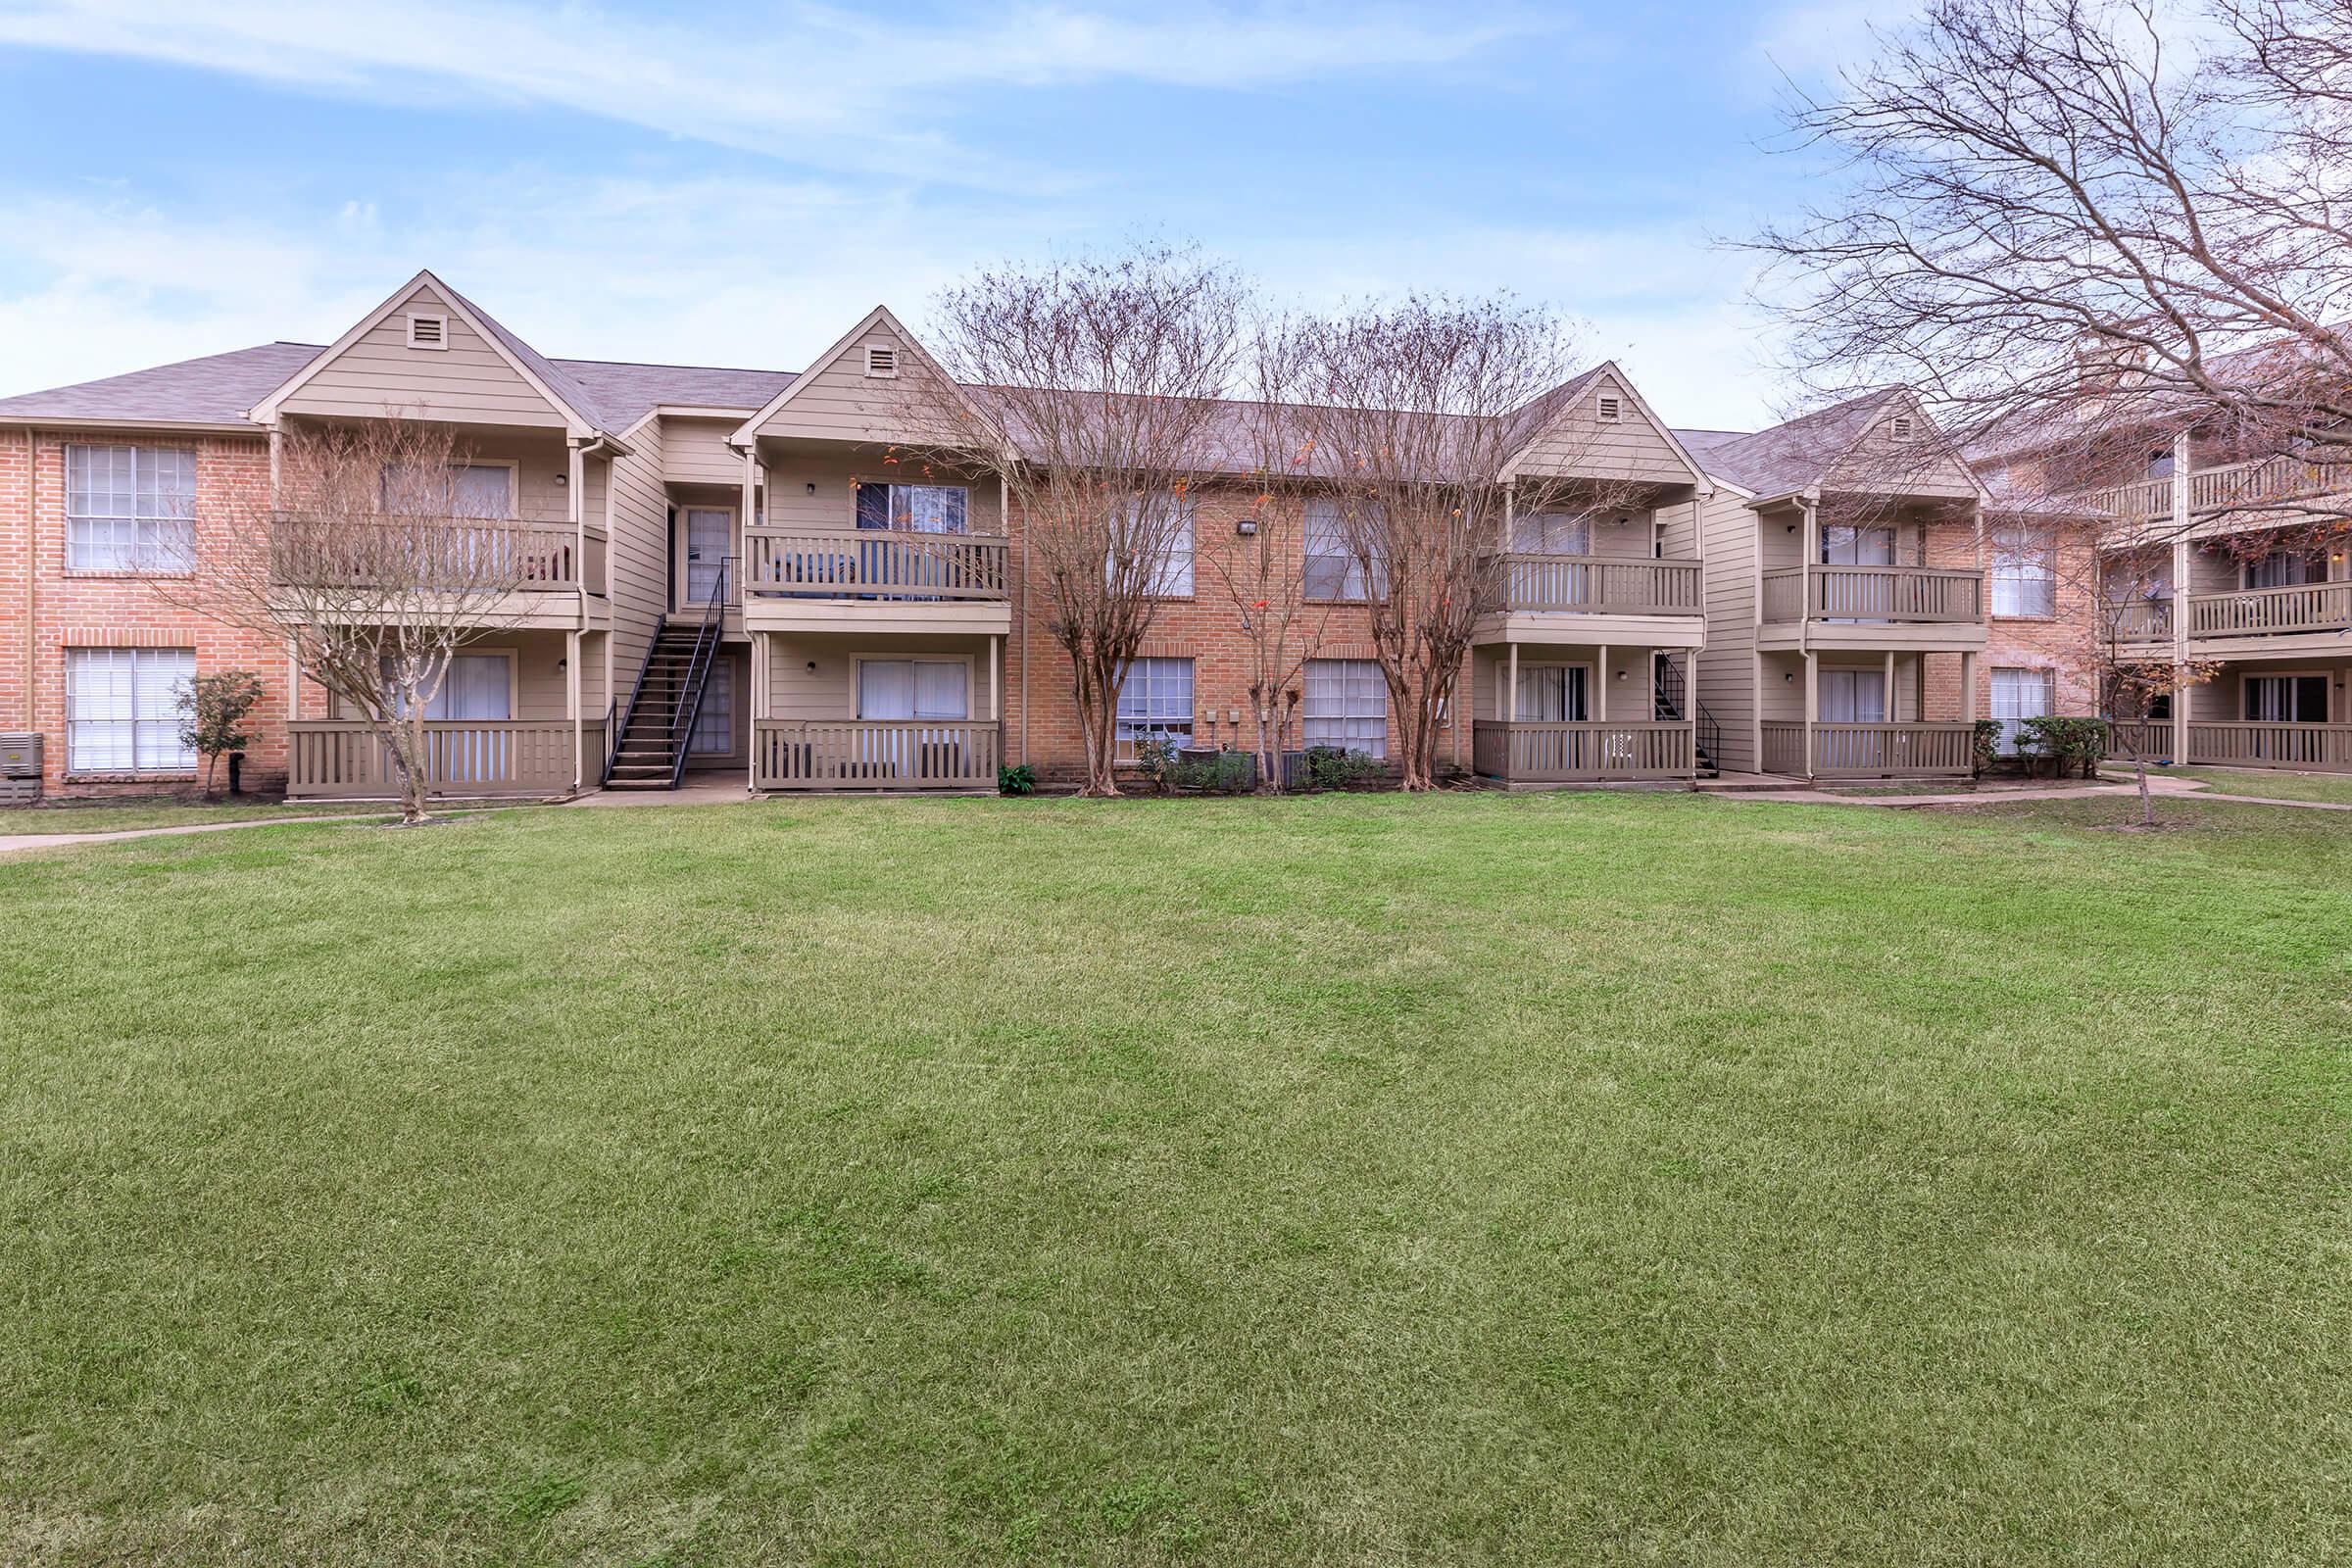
point(1021, 780)
point(2064, 743)
point(1988, 743)
point(1335, 768)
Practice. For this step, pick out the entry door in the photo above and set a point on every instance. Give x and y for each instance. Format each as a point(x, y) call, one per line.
point(1853, 697)
point(2285, 572)
point(1843, 546)
point(1553, 693)
point(707, 537)
point(2288, 699)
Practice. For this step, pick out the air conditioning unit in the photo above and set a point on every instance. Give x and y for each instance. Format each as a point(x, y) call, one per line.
point(19, 756)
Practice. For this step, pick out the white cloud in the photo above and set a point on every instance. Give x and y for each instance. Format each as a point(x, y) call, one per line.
point(799, 86)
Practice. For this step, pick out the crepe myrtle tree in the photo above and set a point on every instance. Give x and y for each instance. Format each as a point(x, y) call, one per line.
point(362, 562)
point(1092, 388)
point(212, 709)
point(1411, 420)
point(2082, 228)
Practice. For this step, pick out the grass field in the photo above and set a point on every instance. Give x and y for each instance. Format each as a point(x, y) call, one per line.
point(1349, 1180)
point(119, 816)
point(2272, 782)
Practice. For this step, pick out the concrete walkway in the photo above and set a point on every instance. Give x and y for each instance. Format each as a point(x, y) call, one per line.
point(10, 843)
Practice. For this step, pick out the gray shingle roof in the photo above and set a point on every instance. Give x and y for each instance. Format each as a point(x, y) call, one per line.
point(622, 392)
point(1788, 456)
point(216, 389)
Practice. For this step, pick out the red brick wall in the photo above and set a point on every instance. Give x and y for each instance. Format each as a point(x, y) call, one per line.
point(2058, 644)
point(1040, 714)
point(112, 609)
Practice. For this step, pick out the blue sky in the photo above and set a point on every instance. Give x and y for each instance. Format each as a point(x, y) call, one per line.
point(735, 184)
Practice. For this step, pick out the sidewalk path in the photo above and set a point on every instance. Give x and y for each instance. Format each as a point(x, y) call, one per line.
point(10, 843)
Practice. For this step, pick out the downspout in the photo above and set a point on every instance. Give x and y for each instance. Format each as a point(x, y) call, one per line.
point(1005, 519)
point(2184, 564)
point(574, 482)
point(33, 572)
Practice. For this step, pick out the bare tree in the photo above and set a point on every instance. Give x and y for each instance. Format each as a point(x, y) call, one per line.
point(363, 564)
point(1260, 576)
point(2071, 223)
point(2127, 646)
point(1412, 420)
point(1092, 389)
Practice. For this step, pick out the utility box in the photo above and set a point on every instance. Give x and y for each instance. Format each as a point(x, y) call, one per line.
point(20, 768)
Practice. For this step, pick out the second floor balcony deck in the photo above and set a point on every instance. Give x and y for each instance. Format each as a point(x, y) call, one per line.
point(518, 573)
point(2232, 486)
point(1601, 599)
point(2307, 617)
point(875, 579)
point(1929, 608)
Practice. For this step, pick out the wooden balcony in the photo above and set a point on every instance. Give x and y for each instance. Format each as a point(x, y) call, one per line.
point(342, 759)
point(518, 573)
point(2253, 743)
point(2142, 624)
point(2234, 486)
point(2316, 612)
point(877, 580)
point(1597, 585)
point(1522, 751)
point(1871, 750)
point(1904, 609)
point(876, 754)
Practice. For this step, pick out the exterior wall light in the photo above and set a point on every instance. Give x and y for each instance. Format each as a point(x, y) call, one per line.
point(1247, 527)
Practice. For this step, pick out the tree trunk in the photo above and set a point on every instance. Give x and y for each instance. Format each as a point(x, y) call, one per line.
point(1097, 713)
point(2147, 802)
point(413, 770)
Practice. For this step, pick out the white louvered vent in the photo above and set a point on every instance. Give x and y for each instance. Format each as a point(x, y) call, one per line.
point(1899, 427)
point(428, 331)
point(1610, 410)
point(881, 361)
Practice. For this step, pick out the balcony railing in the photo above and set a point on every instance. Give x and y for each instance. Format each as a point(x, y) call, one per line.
point(343, 758)
point(875, 754)
point(1931, 594)
point(2237, 484)
point(2320, 607)
point(459, 553)
point(2253, 743)
point(1541, 752)
point(2143, 621)
point(1871, 750)
point(1597, 585)
point(875, 565)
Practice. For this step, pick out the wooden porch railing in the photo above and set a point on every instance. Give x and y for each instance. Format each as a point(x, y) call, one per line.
point(876, 563)
point(408, 552)
point(2129, 739)
point(2253, 743)
point(2272, 612)
point(1872, 751)
point(1526, 751)
point(1935, 594)
point(2142, 499)
point(2143, 621)
point(1598, 585)
point(876, 754)
point(331, 758)
point(2235, 484)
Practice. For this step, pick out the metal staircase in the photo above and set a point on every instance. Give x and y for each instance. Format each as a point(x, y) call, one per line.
point(648, 750)
point(1670, 698)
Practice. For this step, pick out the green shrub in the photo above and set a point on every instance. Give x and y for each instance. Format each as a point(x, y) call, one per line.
point(1988, 742)
point(1335, 768)
point(1021, 780)
point(2064, 743)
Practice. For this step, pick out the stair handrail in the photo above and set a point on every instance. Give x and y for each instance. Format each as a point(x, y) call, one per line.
point(698, 671)
point(636, 693)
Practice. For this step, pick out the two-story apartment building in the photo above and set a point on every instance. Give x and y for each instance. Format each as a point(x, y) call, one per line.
point(740, 570)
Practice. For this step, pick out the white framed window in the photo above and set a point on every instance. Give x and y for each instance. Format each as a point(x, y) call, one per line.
point(1156, 703)
point(428, 331)
point(131, 509)
point(1551, 533)
point(1331, 568)
point(915, 507)
point(1555, 694)
point(881, 362)
point(476, 686)
point(715, 722)
point(2025, 573)
point(1853, 696)
point(2019, 695)
point(1346, 703)
point(483, 491)
point(1164, 524)
point(913, 688)
point(122, 709)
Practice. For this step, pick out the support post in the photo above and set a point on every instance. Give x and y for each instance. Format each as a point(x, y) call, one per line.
point(1887, 688)
point(1600, 704)
point(1510, 688)
point(995, 693)
point(1968, 687)
point(758, 706)
point(1812, 704)
point(572, 695)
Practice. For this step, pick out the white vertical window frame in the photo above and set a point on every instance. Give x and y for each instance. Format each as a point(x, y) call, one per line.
point(131, 509)
point(122, 709)
point(2019, 695)
point(1156, 703)
point(1331, 568)
point(1346, 706)
point(2024, 573)
point(715, 722)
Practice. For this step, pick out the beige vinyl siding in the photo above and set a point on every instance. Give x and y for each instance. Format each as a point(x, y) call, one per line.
point(830, 691)
point(1727, 664)
point(1579, 444)
point(1629, 699)
point(637, 555)
point(1680, 536)
point(540, 690)
point(470, 382)
point(834, 505)
point(696, 451)
point(842, 402)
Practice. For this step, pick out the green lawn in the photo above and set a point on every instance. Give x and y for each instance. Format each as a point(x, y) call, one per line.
point(117, 816)
point(1352, 1180)
point(2277, 784)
